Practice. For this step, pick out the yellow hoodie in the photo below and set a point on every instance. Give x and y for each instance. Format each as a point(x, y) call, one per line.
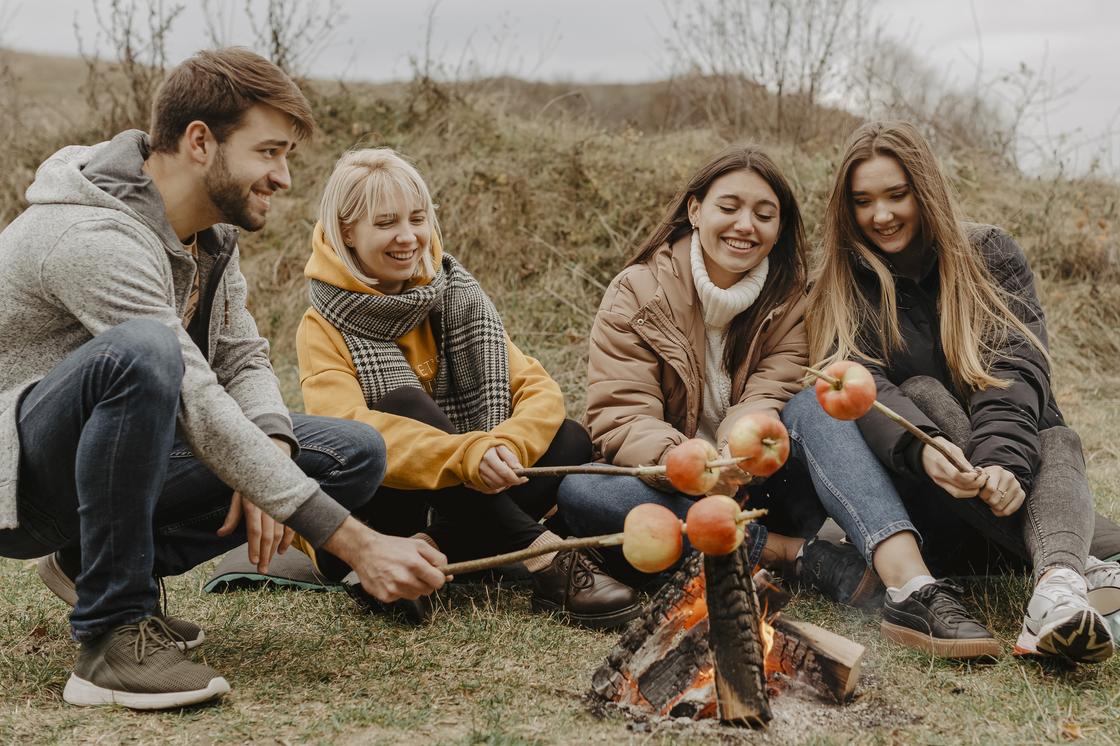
point(420, 456)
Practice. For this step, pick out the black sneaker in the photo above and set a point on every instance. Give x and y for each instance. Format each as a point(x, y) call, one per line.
point(140, 666)
point(187, 634)
point(413, 611)
point(839, 572)
point(932, 619)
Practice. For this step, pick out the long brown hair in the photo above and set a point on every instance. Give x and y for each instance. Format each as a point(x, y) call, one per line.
point(787, 274)
point(975, 319)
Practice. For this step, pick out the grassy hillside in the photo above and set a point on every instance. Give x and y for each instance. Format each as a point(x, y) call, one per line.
point(543, 200)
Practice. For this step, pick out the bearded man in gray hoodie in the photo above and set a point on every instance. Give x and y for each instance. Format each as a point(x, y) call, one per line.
point(142, 430)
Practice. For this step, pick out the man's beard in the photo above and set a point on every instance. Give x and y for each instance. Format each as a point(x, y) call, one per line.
point(228, 196)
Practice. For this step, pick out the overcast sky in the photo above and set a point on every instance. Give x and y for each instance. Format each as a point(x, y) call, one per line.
point(621, 40)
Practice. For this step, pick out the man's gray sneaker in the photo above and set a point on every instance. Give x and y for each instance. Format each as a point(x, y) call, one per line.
point(188, 635)
point(1060, 622)
point(140, 666)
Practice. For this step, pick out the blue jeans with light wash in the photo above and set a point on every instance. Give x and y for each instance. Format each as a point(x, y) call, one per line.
point(104, 482)
point(852, 485)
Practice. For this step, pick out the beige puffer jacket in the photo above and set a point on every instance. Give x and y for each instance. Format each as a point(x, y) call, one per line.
point(646, 363)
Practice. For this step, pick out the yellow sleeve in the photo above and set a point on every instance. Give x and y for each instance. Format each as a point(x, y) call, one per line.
point(419, 456)
point(538, 408)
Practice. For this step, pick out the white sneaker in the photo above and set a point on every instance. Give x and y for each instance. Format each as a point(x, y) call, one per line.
point(1103, 579)
point(1060, 621)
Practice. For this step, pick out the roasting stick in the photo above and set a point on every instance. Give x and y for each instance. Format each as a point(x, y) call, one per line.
point(620, 471)
point(896, 417)
point(606, 540)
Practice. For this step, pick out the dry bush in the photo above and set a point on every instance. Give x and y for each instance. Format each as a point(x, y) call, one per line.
point(769, 67)
point(120, 92)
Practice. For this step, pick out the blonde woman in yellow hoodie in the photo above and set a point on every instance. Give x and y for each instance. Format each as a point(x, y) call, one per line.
point(401, 337)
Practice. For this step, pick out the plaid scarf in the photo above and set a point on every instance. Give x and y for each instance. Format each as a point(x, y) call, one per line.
point(472, 382)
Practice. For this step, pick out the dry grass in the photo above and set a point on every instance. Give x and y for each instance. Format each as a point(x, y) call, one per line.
point(543, 204)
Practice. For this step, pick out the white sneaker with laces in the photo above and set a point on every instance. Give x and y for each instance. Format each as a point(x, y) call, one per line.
point(1103, 579)
point(1060, 621)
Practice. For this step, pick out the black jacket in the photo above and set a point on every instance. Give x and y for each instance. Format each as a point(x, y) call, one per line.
point(1005, 422)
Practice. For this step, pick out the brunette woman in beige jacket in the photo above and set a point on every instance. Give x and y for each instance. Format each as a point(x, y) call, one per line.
point(704, 325)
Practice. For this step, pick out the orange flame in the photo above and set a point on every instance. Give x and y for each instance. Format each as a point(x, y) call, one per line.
point(766, 632)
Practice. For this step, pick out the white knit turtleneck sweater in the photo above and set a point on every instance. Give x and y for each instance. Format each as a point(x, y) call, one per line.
point(720, 306)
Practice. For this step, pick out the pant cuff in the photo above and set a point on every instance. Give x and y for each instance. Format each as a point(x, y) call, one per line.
point(872, 541)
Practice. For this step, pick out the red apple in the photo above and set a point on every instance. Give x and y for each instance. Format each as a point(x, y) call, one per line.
point(711, 525)
point(686, 466)
point(761, 441)
point(651, 537)
point(852, 396)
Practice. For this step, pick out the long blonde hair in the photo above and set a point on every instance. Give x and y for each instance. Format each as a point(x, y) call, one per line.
point(975, 318)
point(361, 181)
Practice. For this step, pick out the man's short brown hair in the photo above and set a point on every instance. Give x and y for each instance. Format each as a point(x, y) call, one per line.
point(217, 87)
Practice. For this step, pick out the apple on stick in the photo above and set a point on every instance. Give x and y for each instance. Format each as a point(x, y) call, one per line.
point(846, 390)
point(651, 537)
point(713, 526)
point(761, 442)
point(851, 392)
point(687, 468)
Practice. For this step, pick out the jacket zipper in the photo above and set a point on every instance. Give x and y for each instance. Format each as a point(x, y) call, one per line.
point(199, 331)
point(654, 316)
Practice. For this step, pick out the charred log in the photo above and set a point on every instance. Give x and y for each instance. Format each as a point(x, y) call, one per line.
point(735, 640)
point(827, 662)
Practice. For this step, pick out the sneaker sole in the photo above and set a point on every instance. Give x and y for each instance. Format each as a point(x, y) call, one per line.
point(84, 693)
point(982, 647)
point(58, 583)
point(1083, 638)
point(591, 621)
point(1105, 600)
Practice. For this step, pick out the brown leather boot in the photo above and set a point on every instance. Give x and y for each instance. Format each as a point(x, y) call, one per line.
point(576, 587)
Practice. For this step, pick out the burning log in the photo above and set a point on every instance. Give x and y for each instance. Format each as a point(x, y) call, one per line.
point(698, 649)
point(826, 661)
point(735, 639)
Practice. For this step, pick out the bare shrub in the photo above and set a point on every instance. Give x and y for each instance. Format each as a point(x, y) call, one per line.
point(768, 66)
point(135, 32)
point(292, 33)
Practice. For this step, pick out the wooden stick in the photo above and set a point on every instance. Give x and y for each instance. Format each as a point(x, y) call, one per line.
point(906, 424)
point(605, 540)
point(623, 471)
point(485, 563)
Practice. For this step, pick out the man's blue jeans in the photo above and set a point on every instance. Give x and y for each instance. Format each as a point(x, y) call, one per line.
point(853, 486)
point(103, 478)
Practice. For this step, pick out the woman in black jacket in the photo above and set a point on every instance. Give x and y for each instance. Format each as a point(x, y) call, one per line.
point(945, 315)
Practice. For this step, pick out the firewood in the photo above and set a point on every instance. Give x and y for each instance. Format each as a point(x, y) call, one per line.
point(659, 663)
point(829, 663)
point(735, 640)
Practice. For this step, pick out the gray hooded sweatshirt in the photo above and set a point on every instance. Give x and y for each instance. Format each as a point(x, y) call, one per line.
point(94, 250)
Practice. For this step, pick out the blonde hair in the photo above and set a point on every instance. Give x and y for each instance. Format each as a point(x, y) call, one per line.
point(361, 181)
point(975, 318)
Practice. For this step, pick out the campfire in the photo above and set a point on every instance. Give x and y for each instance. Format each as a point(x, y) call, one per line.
point(714, 643)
